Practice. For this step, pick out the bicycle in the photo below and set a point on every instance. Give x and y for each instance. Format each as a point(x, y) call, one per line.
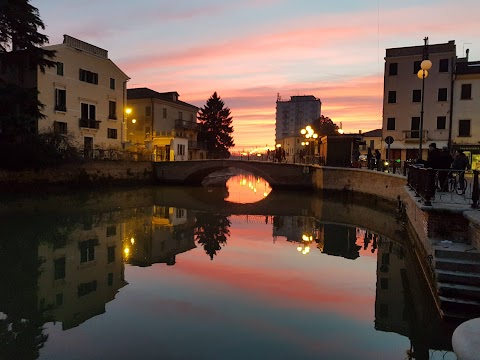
point(456, 183)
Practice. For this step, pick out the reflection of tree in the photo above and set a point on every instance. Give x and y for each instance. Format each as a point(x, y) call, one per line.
point(211, 231)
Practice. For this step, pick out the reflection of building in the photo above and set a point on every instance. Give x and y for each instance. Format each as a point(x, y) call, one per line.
point(291, 227)
point(158, 237)
point(80, 273)
point(338, 240)
point(164, 125)
point(390, 312)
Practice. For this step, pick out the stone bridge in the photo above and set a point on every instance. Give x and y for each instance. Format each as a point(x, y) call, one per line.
point(278, 175)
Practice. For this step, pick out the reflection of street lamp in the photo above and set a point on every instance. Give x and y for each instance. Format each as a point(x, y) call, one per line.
point(422, 74)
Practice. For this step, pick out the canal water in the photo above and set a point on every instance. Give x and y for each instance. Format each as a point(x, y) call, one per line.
point(211, 273)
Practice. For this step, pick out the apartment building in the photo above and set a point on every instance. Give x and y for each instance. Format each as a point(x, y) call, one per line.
point(292, 116)
point(402, 100)
point(466, 110)
point(164, 125)
point(83, 95)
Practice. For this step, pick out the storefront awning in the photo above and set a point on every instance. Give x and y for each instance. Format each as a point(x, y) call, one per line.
point(404, 146)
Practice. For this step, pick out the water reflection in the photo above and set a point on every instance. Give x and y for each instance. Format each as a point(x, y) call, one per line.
point(72, 265)
point(247, 188)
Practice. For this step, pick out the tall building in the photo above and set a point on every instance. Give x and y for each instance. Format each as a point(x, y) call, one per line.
point(164, 125)
point(402, 99)
point(466, 110)
point(83, 95)
point(292, 116)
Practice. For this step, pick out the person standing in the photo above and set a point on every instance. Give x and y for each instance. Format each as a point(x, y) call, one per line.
point(444, 162)
point(378, 158)
point(460, 163)
point(433, 159)
point(369, 159)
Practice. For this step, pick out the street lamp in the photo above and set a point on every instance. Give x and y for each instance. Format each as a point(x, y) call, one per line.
point(422, 74)
point(309, 134)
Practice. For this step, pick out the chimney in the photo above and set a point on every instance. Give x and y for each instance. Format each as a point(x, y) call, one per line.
point(359, 131)
point(467, 51)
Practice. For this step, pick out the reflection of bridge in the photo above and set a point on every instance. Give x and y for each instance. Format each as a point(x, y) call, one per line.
point(278, 175)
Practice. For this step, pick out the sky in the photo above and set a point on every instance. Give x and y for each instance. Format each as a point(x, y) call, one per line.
point(252, 51)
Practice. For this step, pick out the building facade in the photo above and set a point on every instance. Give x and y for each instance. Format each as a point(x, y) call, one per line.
point(164, 125)
point(83, 95)
point(402, 99)
point(466, 110)
point(292, 116)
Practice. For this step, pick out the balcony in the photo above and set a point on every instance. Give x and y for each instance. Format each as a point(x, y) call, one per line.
point(90, 123)
point(414, 135)
point(196, 145)
point(186, 125)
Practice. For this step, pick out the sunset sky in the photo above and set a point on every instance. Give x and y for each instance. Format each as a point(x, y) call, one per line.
point(249, 51)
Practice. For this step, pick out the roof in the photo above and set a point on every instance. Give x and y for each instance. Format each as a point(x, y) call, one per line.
point(146, 93)
point(373, 133)
point(418, 50)
point(472, 67)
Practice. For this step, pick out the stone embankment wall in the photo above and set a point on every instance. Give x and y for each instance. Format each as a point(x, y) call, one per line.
point(83, 174)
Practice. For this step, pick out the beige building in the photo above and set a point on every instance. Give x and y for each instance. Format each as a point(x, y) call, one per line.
point(373, 140)
point(163, 125)
point(83, 95)
point(466, 110)
point(403, 98)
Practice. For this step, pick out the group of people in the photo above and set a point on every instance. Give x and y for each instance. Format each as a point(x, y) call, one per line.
point(373, 161)
point(443, 160)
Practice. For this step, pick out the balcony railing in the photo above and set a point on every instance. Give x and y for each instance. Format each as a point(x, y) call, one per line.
point(184, 124)
point(414, 135)
point(196, 145)
point(60, 107)
point(90, 123)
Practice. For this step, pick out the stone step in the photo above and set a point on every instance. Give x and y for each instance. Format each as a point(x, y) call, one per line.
point(457, 252)
point(472, 266)
point(457, 277)
point(459, 291)
point(460, 308)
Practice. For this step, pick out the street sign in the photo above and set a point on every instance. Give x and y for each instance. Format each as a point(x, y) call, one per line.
point(389, 140)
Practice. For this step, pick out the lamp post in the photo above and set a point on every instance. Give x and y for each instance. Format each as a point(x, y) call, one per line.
point(422, 74)
point(309, 135)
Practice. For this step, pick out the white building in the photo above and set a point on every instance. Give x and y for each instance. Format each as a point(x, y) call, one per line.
point(292, 116)
point(402, 98)
point(466, 110)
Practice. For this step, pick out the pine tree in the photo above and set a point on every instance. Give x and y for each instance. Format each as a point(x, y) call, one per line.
point(216, 128)
point(21, 52)
point(325, 126)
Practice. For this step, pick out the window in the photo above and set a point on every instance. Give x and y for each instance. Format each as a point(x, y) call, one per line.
point(416, 67)
point(59, 299)
point(87, 250)
point(88, 76)
point(415, 125)
point(110, 279)
point(384, 283)
point(59, 268)
point(391, 124)
point(111, 231)
point(441, 122)
point(393, 69)
point(112, 133)
point(417, 95)
point(112, 83)
point(464, 128)
point(60, 127)
point(180, 149)
point(191, 117)
point(148, 111)
point(372, 144)
point(392, 97)
point(383, 313)
point(60, 100)
point(180, 115)
point(112, 110)
point(442, 94)
point(60, 68)
point(466, 91)
point(111, 254)
point(87, 288)
point(87, 111)
point(164, 113)
point(443, 65)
